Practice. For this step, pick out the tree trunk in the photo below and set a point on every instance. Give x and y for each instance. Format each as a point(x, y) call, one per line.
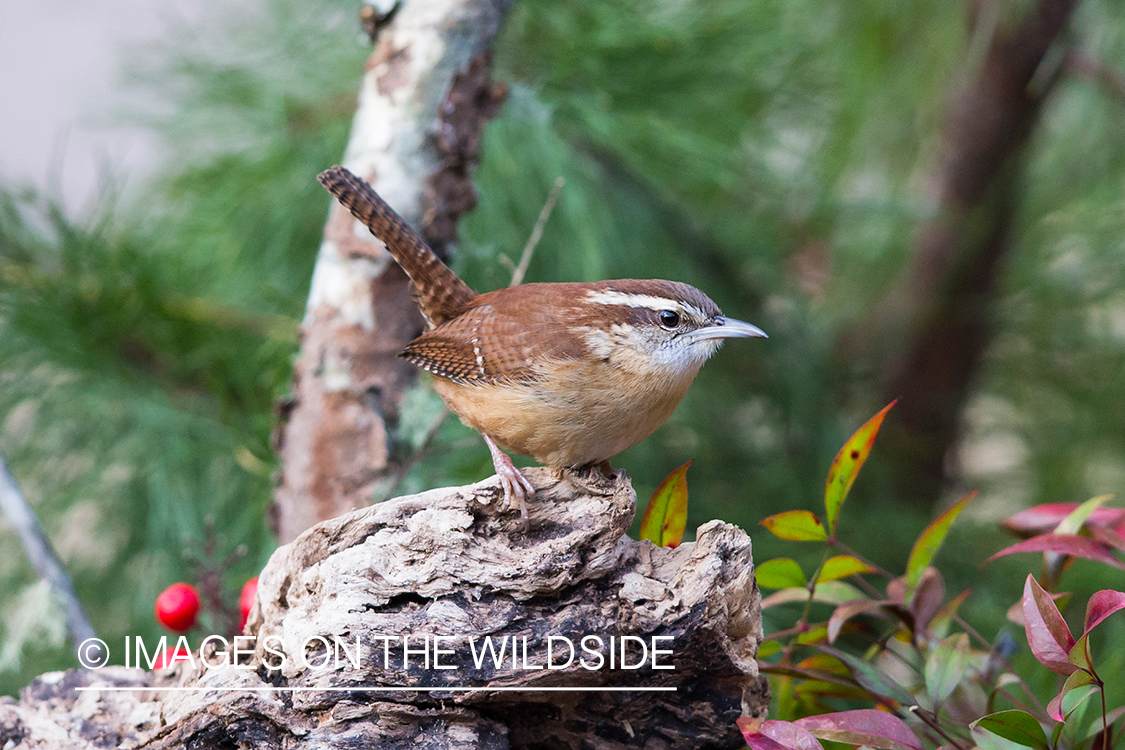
point(938, 319)
point(425, 95)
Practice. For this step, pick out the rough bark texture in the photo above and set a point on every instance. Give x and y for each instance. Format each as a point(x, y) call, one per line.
point(425, 95)
point(449, 563)
point(939, 317)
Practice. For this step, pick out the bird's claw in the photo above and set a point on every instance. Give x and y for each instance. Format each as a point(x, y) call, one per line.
point(517, 490)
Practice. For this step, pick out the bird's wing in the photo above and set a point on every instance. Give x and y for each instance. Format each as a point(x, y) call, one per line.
point(493, 342)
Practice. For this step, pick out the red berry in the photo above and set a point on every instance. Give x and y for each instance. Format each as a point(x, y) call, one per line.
point(246, 600)
point(168, 659)
point(177, 607)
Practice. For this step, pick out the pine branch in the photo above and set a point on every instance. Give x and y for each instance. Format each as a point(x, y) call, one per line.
point(43, 556)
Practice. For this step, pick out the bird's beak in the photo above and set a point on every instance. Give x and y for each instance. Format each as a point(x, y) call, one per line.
point(728, 328)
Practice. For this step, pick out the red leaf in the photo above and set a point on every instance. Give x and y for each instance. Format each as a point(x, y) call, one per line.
point(1077, 518)
point(796, 526)
point(845, 467)
point(1054, 708)
point(1108, 537)
point(665, 516)
point(928, 597)
point(1046, 517)
point(1047, 634)
point(1101, 605)
point(778, 735)
point(864, 726)
point(1066, 544)
point(847, 611)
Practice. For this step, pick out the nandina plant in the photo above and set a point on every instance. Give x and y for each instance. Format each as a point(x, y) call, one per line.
point(665, 515)
point(897, 643)
point(246, 601)
point(181, 607)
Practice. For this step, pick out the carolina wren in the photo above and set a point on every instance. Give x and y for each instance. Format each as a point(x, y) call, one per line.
point(570, 374)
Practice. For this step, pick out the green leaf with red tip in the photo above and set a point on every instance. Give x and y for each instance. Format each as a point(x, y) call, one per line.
point(833, 592)
point(929, 542)
point(1017, 726)
point(845, 467)
point(1047, 634)
point(782, 573)
point(665, 516)
point(796, 526)
point(843, 566)
point(817, 634)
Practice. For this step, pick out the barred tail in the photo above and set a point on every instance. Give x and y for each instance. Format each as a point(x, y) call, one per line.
point(441, 294)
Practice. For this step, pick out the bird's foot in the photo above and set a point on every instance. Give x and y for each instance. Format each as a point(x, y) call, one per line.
point(608, 471)
point(517, 490)
point(598, 477)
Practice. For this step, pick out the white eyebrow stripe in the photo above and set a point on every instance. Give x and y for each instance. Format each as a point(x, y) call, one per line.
point(643, 300)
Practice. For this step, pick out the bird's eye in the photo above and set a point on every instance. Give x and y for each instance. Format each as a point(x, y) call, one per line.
point(669, 318)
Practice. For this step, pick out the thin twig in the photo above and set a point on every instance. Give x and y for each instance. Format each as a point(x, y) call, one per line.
point(931, 722)
point(1105, 725)
point(537, 232)
point(43, 557)
point(849, 551)
point(1026, 707)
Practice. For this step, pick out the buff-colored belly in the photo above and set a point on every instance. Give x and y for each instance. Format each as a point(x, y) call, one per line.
point(574, 417)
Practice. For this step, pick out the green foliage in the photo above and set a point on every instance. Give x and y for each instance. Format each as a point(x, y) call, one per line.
point(141, 354)
point(775, 155)
point(891, 646)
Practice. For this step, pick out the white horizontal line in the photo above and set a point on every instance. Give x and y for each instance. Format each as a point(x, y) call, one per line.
point(387, 689)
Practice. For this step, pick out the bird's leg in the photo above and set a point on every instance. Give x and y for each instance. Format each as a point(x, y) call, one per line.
point(514, 483)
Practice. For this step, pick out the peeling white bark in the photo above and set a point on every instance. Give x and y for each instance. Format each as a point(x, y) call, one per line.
point(334, 443)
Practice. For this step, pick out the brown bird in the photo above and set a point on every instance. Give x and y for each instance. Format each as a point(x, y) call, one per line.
point(570, 374)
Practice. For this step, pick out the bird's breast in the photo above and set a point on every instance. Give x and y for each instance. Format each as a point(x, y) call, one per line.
point(571, 413)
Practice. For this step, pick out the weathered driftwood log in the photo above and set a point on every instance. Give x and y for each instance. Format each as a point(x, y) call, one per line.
point(404, 595)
